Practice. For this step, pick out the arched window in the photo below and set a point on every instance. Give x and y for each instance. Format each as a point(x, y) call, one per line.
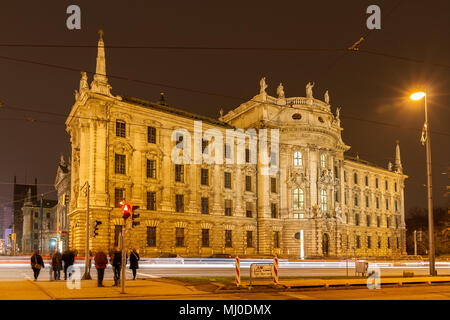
point(323, 161)
point(298, 160)
point(298, 199)
point(323, 200)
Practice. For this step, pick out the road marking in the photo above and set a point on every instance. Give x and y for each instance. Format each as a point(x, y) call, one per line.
point(144, 274)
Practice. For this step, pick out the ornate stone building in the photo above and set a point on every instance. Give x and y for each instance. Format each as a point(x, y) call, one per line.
point(319, 203)
point(62, 186)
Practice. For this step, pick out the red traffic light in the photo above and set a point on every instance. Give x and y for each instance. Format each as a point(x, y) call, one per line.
point(126, 211)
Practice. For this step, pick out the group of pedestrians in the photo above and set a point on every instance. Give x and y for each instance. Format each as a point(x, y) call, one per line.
point(67, 258)
point(115, 259)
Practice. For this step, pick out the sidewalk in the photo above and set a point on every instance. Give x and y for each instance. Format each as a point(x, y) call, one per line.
point(58, 290)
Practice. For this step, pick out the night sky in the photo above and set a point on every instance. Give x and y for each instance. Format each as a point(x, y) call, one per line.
point(366, 86)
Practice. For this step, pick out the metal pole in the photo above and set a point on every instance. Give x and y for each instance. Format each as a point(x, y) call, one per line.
point(124, 252)
point(431, 250)
point(41, 226)
point(87, 275)
point(415, 242)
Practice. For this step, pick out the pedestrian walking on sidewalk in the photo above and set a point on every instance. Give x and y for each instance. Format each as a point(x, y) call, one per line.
point(134, 262)
point(101, 260)
point(116, 262)
point(68, 257)
point(36, 264)
point(57, 265)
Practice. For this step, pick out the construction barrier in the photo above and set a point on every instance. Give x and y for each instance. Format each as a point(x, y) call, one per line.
point(275, 270)
point(238, 271)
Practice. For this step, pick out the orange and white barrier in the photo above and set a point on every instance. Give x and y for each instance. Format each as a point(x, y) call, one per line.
point(238, 271)
point(275, 270)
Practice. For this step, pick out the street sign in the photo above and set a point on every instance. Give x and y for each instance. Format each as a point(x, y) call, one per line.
point(261, 270)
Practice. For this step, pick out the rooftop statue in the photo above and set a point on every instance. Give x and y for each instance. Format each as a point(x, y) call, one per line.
point(327, 97)
point(280, 91)
point(263, 85)
point(309, 93)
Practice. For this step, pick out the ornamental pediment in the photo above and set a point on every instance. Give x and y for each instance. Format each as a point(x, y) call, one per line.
point(297, 178)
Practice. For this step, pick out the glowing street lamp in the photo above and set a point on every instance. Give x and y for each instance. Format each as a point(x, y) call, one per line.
point(426, 138)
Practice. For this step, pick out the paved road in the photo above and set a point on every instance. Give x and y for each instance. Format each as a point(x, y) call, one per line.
point(18, 272)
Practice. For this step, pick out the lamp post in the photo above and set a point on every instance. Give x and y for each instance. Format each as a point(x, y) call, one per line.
point(87, 275)
point(431, 250)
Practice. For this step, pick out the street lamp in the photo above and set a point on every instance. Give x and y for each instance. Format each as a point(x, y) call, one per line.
point(426, 130)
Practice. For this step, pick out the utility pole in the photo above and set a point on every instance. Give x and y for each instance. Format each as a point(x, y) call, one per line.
point(41, 213)
point(415, 242)
point(124, 252)
point(86, 275)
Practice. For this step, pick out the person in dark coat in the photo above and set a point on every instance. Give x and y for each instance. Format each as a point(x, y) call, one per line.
point(68, 257)
point(36, 264)
point(57, 264)
point(101, 260)
point(116, 262)
point(134, 262)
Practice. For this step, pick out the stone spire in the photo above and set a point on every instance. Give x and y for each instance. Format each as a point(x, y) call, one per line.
point(28, 200)
point(398, 162)
point(100, 83)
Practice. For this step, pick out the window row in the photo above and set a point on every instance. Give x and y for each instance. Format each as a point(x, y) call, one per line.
point(122, 132)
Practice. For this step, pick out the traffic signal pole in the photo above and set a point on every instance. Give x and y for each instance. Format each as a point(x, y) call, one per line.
point(124, 252)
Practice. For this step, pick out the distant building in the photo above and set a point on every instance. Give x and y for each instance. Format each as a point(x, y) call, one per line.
point(19, 196)
point(6, 219)
point(62, 186)
point(39, 232)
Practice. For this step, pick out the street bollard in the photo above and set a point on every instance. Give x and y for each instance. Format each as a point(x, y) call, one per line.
point(238, 271)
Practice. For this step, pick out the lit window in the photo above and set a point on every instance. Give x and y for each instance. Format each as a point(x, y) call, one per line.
point(323, 200)
point(298, 160)
point(120, 128)
point(323, 161)
point(298, 199)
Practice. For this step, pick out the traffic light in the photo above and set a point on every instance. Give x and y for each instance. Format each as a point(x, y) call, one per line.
point(135, 216)
point(126, 208)
point(97, 223)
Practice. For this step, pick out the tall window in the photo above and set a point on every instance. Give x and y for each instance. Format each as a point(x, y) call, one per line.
point(273, 185)
point(248, 209)
point(204, 177)
point(367, 181)
point(228, 207)
point(379, 242)
point(323, 160)
point(356, 219)
point(356, 200)
point(120, 128)
point(396, 205)
point(367, 201)
point(227, 178)
point(345, 176)
point(179, 237)
point(179, 203)
point(386, 183)
point(376, 183)
point(205, 238)
point(368, 220)
point(151, 236)
point(228, 239)
point(298, 199)
point(117, 232)
point(247, 155)
point(323, 200)
point(205, 146)
point(395, 186)
point(179, 173)
point(119, 195)
point(249, 239)
point(151, 134)
point(389, 242)
point(274, 211)
point(355, 178)
point(388, 222)
point(378, 221)
point(119, 164)
point(248, 183)
point(358, 242)
point(298, 160)
point(369, 242)
point(205, 206)
point(387, 204)
point(276, 239)
point(377, 200)
point(151, 169)
point(151, 201)
point(227, 151)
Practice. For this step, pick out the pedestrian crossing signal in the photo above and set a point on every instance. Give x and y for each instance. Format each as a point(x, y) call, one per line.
point(134, 216)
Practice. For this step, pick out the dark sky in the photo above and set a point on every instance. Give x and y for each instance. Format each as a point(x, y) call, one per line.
point(366, 86)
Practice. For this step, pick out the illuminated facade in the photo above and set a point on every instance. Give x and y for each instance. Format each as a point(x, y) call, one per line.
point(319, 203)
